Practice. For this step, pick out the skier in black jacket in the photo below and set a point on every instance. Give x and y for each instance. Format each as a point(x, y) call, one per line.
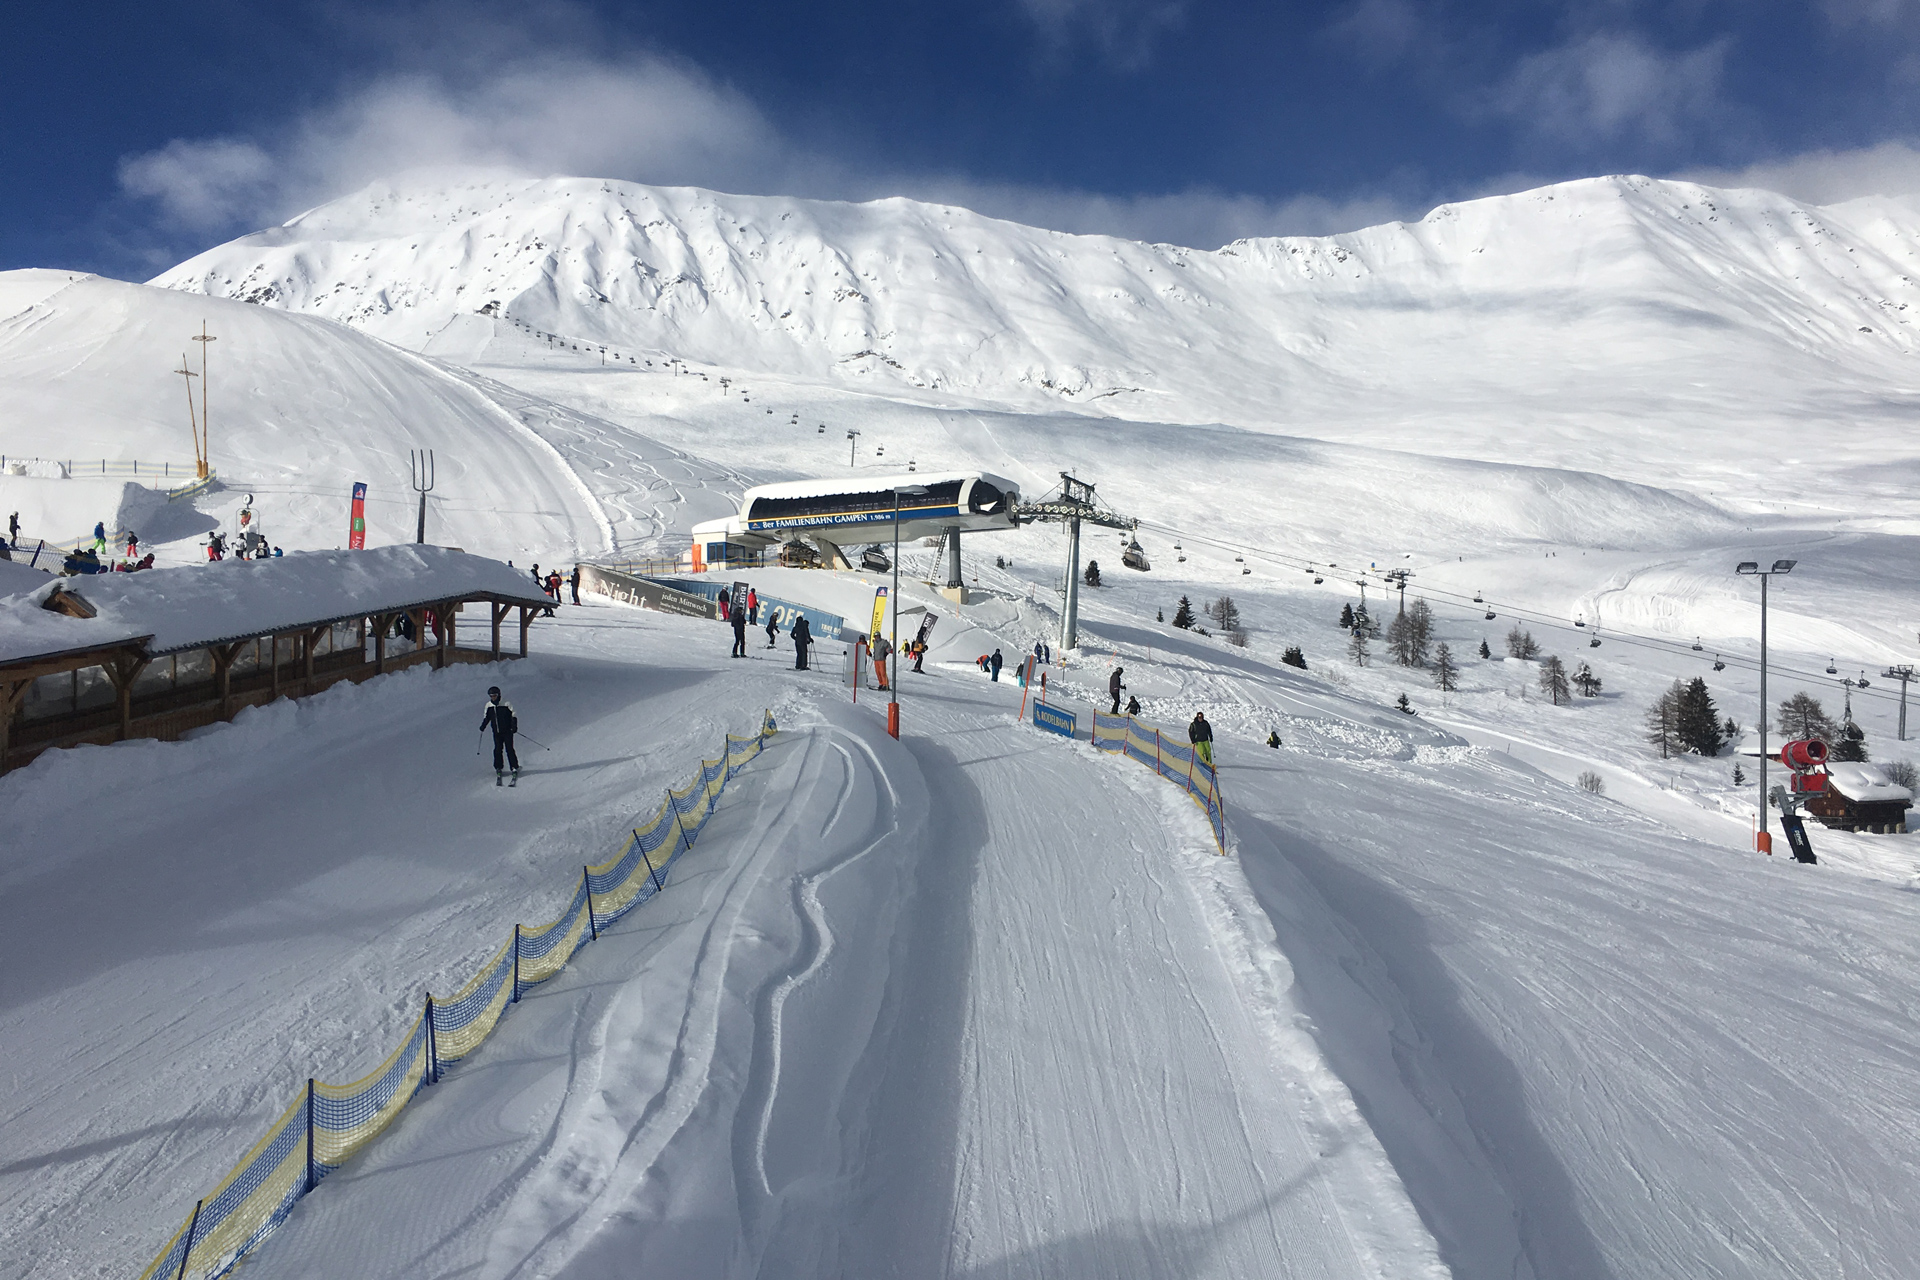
point(501, 719)
point(739, 621)
point(802, 640)
point(1114, 687)
point(1200, 734)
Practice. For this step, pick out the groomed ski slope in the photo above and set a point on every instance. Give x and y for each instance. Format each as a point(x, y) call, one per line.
point(981, 1002)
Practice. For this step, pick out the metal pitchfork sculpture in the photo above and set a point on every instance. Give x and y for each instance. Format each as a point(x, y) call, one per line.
point(421, 471)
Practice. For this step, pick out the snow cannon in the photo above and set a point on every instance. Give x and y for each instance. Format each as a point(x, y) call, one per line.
point(1803, 754)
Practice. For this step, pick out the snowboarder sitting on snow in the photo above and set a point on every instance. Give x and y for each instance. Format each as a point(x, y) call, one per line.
point(501, 719)
point(1133, 706)
point(1200, 734)
point(1273, 739)
point(1114, 687)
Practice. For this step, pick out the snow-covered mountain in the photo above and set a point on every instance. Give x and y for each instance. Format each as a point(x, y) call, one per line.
point(1589, 320)
point(300, 410)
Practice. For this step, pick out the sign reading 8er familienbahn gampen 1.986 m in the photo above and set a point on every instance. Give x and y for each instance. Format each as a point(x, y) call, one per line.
point(1053, 718)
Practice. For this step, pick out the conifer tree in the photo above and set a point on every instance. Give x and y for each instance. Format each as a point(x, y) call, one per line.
point(1419, 633)
point(1445, 674)
point(1663, 719)
point(1294, 658)
point(1802, 716)
point(1400, 640)
point(1553, 679)
point(1484, 651)
point(1346, 617)
point(1183, 616)
point(1404, 705)
point(1521, 644)
point(1696, 720)
point(1357, 647)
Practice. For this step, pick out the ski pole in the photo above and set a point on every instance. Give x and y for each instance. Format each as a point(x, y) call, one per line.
point(536, 742)
point(477, 741)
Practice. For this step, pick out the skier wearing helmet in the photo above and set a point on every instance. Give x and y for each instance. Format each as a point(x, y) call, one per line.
point(501, 720)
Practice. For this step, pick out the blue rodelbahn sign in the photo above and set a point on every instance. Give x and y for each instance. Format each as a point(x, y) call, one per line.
point(1054, 719)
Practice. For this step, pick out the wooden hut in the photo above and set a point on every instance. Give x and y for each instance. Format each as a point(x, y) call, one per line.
point(155, 654)
point(1858, 797)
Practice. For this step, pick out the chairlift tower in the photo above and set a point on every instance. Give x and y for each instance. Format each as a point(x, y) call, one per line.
point(1398, 578)
point(1075, 504)
point(205, 462)
point(1902, 673)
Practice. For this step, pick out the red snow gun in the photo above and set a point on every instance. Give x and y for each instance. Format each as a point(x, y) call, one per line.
point(1804, 754)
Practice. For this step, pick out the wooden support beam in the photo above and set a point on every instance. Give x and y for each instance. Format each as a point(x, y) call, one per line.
point(382, 623)
point(309, 639)
point(526, 620)
point(274, 654)
point(499, 612)
point(12, 694)
point(223, 656)
point(123, 671)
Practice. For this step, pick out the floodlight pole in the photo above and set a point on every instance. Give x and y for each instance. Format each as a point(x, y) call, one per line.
point(1763, 840)
point(893, 644)
point(193, 421)
point(206, 445)
point(853, 443)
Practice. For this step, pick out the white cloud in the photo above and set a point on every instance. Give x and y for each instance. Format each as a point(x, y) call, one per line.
point(1121, 31)
point(1606, 87)
point(1828, 177)
point(640, 117)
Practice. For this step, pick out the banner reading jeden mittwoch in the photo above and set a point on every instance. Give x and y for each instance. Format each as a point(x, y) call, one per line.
point(879, 614)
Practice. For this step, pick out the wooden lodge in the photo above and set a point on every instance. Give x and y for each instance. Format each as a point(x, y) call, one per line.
point(155, 654)
point(1858, 797)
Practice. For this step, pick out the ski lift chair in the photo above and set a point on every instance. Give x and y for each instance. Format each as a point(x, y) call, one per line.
point(1477, 599)
point(1490, 615)
point(1718, 665)
point(1697, 646)
point(1317, 579)
point(1832, 670)
point(1862, 681)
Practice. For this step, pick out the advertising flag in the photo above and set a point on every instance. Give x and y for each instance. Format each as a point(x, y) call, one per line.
point(879, 612)
point(357, 523)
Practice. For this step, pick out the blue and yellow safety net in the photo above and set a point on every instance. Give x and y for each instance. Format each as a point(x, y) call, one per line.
point(327, 1124)
point(1175, 761)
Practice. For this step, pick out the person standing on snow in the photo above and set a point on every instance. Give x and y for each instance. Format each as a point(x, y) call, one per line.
point(725, 600)
point(802, 640)
point(1114, 687)
point(13, 529)
point(993, 665)
point(919, 655)
point(1200, 734)
point(773, 627)
point(99, 538)
point(753, 607)
point(739, 634)
point(501, 720)
point(576, 584)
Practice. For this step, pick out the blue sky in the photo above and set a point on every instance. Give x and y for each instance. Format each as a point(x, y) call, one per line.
point(133, 136)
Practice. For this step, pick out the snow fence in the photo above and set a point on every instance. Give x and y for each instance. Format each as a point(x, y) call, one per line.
point(1175, 761)
point(327, 1124)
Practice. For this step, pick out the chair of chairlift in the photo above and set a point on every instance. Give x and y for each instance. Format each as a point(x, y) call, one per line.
point(1718, 665)
point(1832, 670)
point(1594, 643)
point(1246, 569)
point(1862, 681)
point(1579, 622)
point(1697, 646)
point(1317, 580)
point(1477, 599)
point(1490, 615)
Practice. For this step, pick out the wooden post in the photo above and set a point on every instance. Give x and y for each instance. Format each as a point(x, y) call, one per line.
point(382, 623)
point(499, 613)
point(526, 620)
point(123, 671)
point(223, 656)
point(12, 694)
point(443, 616)
point(274, 654)
point(308, 641)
